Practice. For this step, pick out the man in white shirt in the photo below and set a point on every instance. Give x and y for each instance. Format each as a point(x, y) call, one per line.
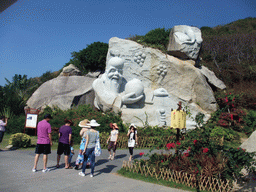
point(3, 123)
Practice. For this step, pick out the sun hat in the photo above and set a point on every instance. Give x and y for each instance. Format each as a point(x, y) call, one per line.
point(116, 127)
point(132, 125)
point(84, 123)
point(93, 123)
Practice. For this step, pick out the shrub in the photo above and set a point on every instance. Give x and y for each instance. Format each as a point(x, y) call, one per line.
point(20, 140)
point(250, 121)
point(16, 124)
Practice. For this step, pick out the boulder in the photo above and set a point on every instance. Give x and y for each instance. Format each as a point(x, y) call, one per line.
point(212, 78)
point(63, 92)
point(249, 144)
point(166, 81)
point(185, 42)
point(70, 70)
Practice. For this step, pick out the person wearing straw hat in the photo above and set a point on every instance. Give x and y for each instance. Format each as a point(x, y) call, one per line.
point(91, 137)
point(80, 157)
point(113, 140)
point(133, 139)
point(65, 136)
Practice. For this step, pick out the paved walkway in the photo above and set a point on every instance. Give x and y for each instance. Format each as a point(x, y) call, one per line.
point(16, 174)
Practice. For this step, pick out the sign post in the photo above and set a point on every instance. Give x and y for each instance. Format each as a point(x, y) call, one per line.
point(178, 120)
point(31, 118)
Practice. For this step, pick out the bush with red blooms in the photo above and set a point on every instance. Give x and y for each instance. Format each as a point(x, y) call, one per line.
point(198, 154)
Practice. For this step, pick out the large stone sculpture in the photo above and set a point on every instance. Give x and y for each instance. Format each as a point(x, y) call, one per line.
point(145, 84)
point(185, 42)
point(111, 89)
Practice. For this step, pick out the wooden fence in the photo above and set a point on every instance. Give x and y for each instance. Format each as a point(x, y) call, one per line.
point(202, 183)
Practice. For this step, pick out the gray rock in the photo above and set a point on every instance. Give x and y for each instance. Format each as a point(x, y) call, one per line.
point(185, 42)
point(178, 80)
point(249, 144)
point(212, 78)
point(70, 70)
point(64, 92)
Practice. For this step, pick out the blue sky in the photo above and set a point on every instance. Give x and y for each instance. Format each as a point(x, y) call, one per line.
point(39, 35)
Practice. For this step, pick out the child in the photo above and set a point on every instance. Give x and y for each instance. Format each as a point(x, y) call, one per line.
point(72, 152)
point(80, 157)
point(113, 140)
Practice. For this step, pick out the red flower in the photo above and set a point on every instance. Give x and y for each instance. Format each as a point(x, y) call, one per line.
point(141, 154)
point(243, 150)
point(173, 145)
point(195, 141)
point(205, 150)
point(189, 148)
point(226, 99)
point(238, 148)
point(186, 154)
point(231, 116)
point(178, 143)
point(162, 161)
point(168, 145)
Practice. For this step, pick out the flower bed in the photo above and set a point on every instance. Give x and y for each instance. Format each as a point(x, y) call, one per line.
point(192, 180)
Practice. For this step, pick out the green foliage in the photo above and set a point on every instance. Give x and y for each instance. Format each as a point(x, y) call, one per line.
point(7, 113)
point(16, 124)
point(92, 58)
point(199, 119)
point(20, 140)
point(156, 38)
point(250, 121)
point(78, 114)
point(159, 36)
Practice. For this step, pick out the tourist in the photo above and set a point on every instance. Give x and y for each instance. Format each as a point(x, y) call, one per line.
point(65, 136)
point(44, 142)
point(113, 140)
point(80, 157)
point(3, 124)
point(91, 137)
point(133, 139)
point(72, 152)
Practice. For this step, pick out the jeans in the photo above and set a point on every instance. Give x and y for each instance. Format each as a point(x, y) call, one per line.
point(89, 153)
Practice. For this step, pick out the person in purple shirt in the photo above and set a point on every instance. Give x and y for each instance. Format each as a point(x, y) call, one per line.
point(65, 135)
point(44, 142)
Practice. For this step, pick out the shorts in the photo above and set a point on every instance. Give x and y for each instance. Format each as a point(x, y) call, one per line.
point(112, 146)
point(43, 148)
point(63, 148)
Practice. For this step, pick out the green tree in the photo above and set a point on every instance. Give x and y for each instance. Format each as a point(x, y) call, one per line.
point(92, 58)
point(15, 94)
point(159, 36)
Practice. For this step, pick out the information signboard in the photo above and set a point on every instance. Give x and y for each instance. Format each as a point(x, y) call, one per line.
point(178, 119)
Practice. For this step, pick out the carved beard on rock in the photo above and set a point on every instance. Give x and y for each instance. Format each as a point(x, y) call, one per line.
point(113, 85)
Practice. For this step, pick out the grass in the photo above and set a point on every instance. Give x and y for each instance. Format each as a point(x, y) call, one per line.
point(150, 179)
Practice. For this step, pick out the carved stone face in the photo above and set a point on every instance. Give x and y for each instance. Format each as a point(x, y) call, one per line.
point(115, 73)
